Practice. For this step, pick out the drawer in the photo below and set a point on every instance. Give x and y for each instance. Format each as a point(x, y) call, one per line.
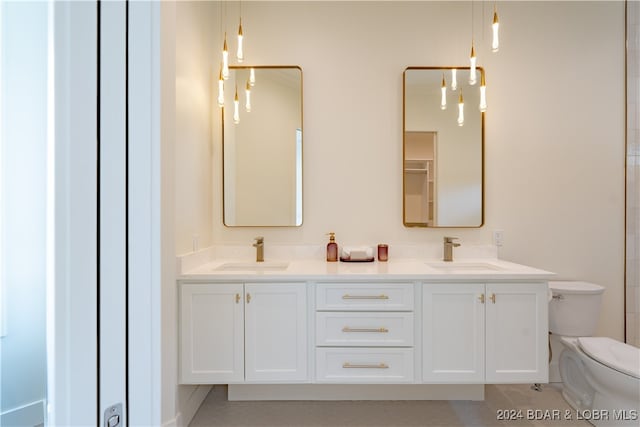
point(365, 297)
point(364, 329)
point(364, 365)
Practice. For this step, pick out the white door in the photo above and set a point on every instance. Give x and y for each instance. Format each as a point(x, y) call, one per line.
point(453, 332)
point(211, 333)
point(516, 333)
point(276, 332)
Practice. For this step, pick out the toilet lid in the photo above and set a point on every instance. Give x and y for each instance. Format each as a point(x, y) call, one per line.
point(574, 287)
point(615, 354)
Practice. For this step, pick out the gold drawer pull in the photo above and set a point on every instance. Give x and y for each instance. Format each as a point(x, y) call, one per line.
point(237, 298)
point(481, 298)
point(493, 298)
point(348, 365)
point(348, 329)
point(347, 296)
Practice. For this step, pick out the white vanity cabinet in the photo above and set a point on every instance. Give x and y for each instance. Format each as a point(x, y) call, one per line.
point(484, 333)
point(211, 333)
point(517, 333)
point(364, 333)
point(235, 332)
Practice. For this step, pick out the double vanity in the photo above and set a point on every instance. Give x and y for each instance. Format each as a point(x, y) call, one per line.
point(308, 329)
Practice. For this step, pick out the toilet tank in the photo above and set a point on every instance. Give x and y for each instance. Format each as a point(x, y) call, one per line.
point(574, 309)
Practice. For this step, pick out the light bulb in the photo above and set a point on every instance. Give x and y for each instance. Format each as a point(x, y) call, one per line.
point(483, 94)
point(220, 89)
point(443, 98)
point(495, 45)
point(460, 110)
point(240, 53)
point(252, 77)
point(247, 104)
point(236, 108)
point(472, 62)
point(225, 59)
point(454, 79)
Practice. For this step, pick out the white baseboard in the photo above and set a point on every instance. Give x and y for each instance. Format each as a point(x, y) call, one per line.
point(31, 414)
point(191, 406)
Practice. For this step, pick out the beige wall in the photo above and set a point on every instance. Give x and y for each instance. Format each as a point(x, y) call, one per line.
point(196, 109)
point(554, 150)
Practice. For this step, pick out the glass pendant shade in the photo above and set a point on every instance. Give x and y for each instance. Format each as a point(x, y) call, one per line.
point(472, 63)
point(454, 79)
point(220, 89)
point(460, 110)
point(495, 44)
point(236, 108)
point(225, 59)
point(443, 97)
point(483, 94)
point(240, 52)
point(247, 104)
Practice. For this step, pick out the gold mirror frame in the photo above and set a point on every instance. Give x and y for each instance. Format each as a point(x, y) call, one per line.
point(263, 195)
point(428, 214)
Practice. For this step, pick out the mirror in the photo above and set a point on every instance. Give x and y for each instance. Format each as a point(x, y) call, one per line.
point(442, 161)
point(262, 148)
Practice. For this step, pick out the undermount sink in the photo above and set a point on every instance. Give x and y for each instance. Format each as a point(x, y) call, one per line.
point(462, 266)
point(253, 266)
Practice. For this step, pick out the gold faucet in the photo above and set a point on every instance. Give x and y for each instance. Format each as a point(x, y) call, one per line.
point(448, 248)
point(259, 245)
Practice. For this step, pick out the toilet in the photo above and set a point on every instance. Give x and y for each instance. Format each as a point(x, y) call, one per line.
point(600, 376)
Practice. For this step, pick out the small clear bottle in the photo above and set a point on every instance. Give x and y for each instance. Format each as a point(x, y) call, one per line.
point(332, 248)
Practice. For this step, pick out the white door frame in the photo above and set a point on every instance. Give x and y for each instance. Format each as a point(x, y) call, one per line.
point(145, 208)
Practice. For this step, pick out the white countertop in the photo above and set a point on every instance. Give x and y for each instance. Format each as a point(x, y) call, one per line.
point(398, 269)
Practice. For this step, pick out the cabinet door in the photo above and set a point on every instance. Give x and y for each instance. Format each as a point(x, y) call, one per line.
point(517, 333)
point(276, 332)
point(453, 332)
point(211, 333)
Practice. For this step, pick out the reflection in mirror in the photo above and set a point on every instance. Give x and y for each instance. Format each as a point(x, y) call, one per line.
point(442, 161)
point(262, 152)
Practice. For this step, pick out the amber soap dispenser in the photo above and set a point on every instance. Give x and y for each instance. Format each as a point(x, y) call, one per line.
point(332, 248)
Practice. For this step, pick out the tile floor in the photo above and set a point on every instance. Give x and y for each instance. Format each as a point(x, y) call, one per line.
point(217, 411)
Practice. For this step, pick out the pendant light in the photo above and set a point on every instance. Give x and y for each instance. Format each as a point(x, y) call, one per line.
point(220, 89)
point(225, 58)
point(247, 92)
point(252, 76)
point(460, 110)
point(495, 44)
point(236, 108)
point(472, 56)
point(483, 94)
point(472, 63)
point(454, 79)
point(443, 98)
point(240, 52)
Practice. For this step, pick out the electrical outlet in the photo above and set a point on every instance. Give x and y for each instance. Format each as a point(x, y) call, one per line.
point(498, 237)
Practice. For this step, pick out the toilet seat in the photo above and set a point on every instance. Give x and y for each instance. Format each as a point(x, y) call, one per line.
point(614, 354)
